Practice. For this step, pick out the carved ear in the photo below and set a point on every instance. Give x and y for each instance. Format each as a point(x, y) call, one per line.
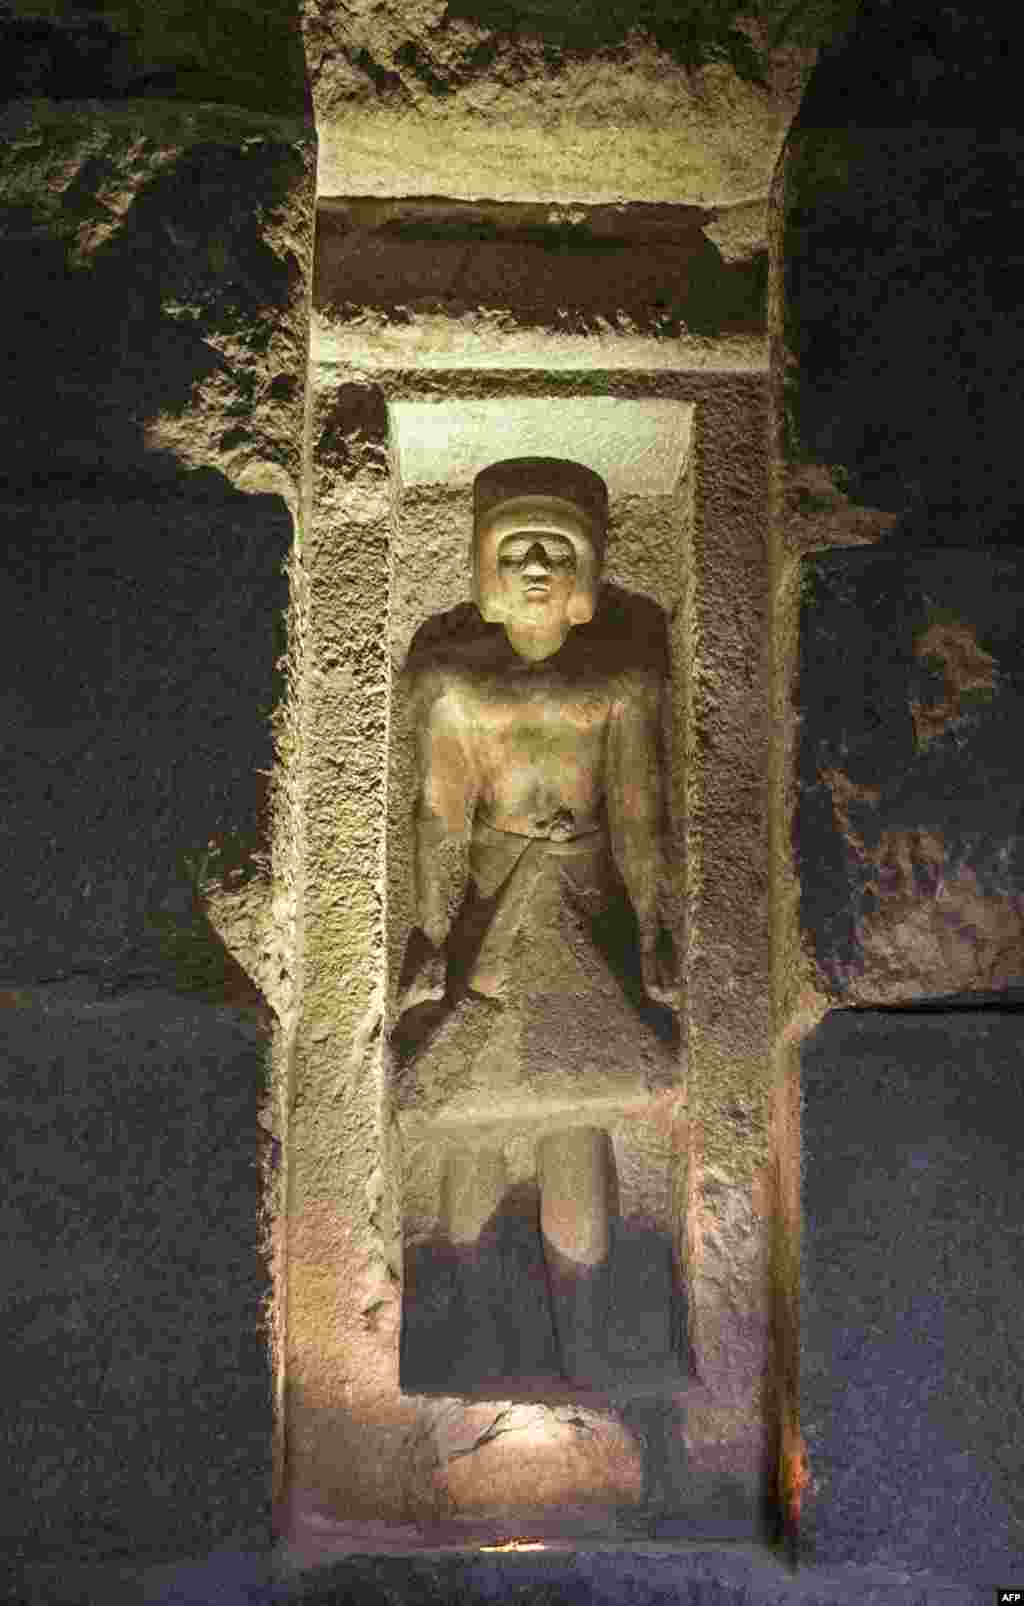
point(583, 602)
point(485, 582)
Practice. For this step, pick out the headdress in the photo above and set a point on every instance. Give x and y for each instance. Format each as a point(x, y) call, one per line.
point(551, 496)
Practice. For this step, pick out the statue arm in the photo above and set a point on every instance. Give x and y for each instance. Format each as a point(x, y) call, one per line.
point(445, 803)
point(634, 800)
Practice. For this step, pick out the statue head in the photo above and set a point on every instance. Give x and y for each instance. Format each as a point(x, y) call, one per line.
point(534, 515)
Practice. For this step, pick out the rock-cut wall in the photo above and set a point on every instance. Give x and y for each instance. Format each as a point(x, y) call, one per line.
point(156, 257)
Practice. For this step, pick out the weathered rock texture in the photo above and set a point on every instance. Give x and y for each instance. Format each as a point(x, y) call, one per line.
point(698, 1462)
point(912, 876)
point(911, 1344)
point(537, 102)
point(156, 263)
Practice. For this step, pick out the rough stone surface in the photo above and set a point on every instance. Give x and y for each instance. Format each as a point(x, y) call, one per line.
point(540, 102)
point(912, 784)
point(705, 1463)
point(896, 246)
point(912, 1354)
point(598, 1575)
point(138, 1411)
point(157, 262)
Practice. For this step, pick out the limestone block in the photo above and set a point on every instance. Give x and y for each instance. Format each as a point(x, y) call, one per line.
point(136, 1310)
point(721, 646)
point(354, 1444)
point(524, 103)
point(912, 1353)
point(911, 779)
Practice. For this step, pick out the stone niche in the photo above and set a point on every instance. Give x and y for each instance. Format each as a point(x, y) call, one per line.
point(478, 1309)
point(434, 1388)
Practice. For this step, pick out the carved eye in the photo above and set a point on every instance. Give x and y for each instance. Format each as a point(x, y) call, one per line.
point(517, 549)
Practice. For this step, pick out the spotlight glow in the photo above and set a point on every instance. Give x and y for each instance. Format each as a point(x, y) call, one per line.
point(516, 1544)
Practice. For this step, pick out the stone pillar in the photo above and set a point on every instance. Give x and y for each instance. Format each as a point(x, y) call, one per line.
point(727, 970)
point(346, 1419)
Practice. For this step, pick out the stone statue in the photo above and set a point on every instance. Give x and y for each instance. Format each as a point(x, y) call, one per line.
point(545, 975)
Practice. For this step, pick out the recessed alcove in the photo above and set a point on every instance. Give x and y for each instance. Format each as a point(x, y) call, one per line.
point(432, 1331)
point(477, 1299)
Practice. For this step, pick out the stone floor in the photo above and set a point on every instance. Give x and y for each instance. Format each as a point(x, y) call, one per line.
point(601, 1575)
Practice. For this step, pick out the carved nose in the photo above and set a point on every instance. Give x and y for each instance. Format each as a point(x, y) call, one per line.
point(537, 558)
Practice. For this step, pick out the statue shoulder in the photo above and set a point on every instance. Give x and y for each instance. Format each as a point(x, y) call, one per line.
point(638, 685)
point(443, 671)
point(449, 654)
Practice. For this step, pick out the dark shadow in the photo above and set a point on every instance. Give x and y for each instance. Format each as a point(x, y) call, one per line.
point(146, 600)
point(693, 34)
point(145, 605)
point(133, 1322)
point(902, 269)
point(626, 626)
point(450, 257)
point(98, 346)
point(250, 56)
point(478, 1321)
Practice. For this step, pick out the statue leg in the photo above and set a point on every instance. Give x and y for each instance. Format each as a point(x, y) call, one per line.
point(574, 1175)
point(473, 1187)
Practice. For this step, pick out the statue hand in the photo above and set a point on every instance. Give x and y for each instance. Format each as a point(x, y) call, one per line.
point(661, 984)
point(428, 982)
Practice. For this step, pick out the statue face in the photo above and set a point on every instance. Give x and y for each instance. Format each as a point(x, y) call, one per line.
point(536, 576)
point(534, 561)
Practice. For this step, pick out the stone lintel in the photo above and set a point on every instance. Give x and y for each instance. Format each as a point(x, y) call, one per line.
point(601, 111)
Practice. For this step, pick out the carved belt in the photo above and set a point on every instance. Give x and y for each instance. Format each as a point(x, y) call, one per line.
point(488, 973)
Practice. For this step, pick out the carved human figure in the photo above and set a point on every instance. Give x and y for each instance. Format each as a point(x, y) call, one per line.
point(538, 761)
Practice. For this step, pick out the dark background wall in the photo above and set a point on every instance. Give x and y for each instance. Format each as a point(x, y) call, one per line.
point(152, 360)
point(903, 268)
